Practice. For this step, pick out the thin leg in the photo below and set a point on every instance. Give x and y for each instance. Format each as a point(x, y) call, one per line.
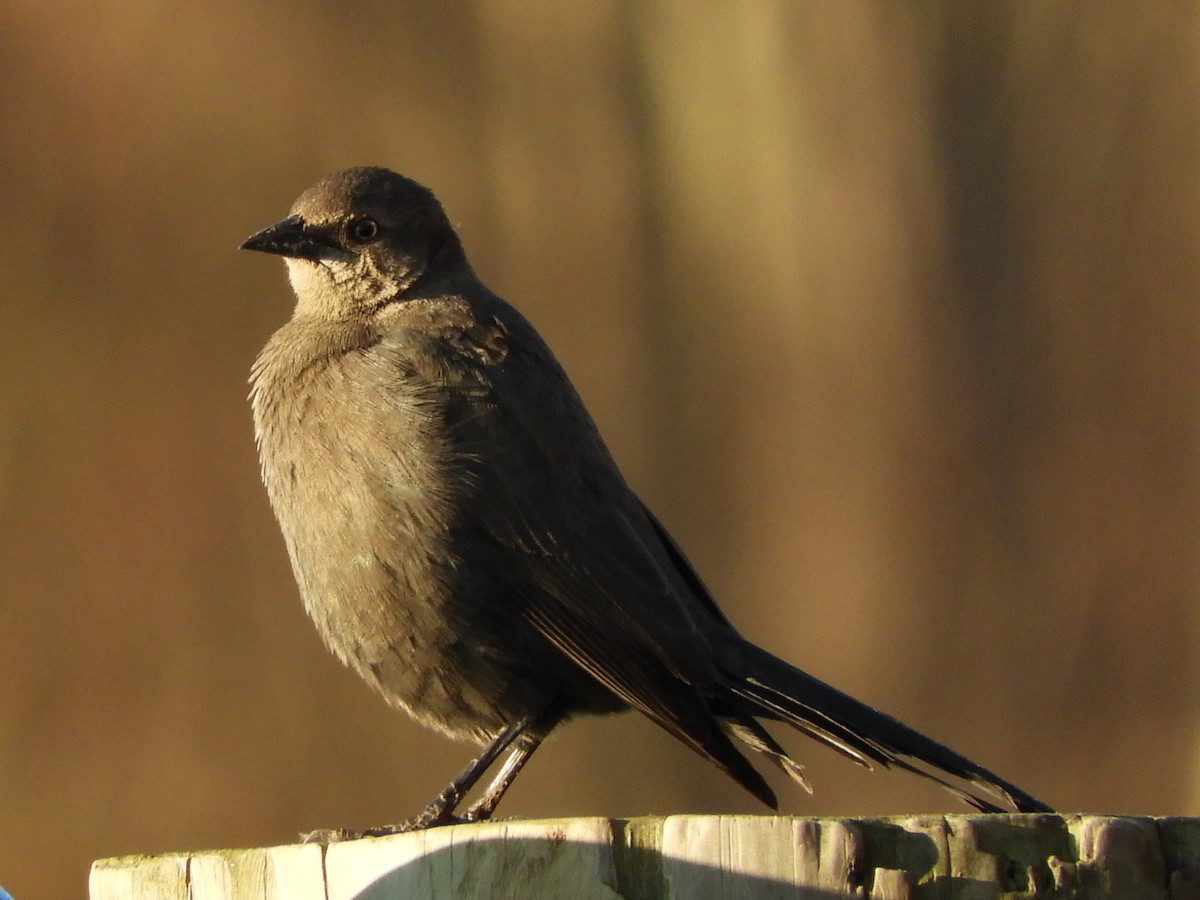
point(481, 810)
point(536, 732)
point(440, 810)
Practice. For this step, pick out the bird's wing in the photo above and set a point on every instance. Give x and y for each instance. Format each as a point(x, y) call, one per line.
point(597, 598)
point(582, 558)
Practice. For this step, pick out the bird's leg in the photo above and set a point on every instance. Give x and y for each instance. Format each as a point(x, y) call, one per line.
point(537, 731)
point(481, 810)
point(440, 810)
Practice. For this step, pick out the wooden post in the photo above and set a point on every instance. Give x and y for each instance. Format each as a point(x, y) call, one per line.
point(699, 857)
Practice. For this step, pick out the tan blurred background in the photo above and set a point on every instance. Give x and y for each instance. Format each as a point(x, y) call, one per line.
point(889, 310)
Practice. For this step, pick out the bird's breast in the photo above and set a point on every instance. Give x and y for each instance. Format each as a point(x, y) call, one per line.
point(355, 464)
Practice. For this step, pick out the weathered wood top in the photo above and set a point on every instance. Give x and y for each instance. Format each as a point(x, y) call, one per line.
point(745, 857)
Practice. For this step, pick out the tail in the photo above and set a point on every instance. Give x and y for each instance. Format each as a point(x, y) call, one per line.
point(765, 686)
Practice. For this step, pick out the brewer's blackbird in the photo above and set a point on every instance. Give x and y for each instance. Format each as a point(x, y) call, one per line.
point(464, 541)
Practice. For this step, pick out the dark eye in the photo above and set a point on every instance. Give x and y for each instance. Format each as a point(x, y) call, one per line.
point(362, 230)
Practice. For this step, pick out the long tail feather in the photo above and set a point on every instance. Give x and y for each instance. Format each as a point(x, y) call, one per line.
point(774, 689)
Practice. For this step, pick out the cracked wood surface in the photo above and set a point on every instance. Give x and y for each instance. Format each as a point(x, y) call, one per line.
point(677, 857)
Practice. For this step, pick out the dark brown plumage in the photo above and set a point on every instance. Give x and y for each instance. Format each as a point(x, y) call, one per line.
point(462, 538)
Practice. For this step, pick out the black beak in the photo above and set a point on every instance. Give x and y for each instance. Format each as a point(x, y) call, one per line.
point(288, 237)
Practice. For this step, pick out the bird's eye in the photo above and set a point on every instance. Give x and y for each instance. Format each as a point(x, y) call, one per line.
point(362, 230)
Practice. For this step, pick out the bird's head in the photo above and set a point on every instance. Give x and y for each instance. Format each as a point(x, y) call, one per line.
point(361, 238)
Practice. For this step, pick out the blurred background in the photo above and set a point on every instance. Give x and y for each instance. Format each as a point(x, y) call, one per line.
point(888, 310)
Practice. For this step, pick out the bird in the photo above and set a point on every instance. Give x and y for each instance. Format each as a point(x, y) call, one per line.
point(462, 538)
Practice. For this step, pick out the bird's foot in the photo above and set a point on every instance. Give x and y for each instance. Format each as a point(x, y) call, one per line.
point(416, 823)
point(329, 836)
point(438, 813)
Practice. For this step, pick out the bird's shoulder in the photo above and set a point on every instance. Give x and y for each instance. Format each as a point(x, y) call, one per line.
point(442, 338)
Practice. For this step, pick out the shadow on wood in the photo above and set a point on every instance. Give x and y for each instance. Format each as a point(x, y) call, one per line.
point(681, 857)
